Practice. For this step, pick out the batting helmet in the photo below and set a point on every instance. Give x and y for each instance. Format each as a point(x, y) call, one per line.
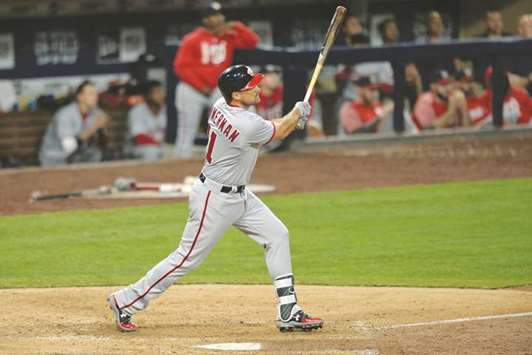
point(237, 78)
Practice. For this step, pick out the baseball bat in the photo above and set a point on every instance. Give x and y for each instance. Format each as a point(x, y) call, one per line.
point(328, 41)
point(42, 196)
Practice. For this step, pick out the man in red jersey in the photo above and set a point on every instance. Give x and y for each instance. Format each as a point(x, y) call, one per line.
point(365, 114)
point(479, 108)
point(517, 105)
point(444, 106)
point(203, 54)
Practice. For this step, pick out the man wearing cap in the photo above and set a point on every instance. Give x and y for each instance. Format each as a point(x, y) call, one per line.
point(219, 199)
point(202, 56)
point(443, 106)
point(365, 114)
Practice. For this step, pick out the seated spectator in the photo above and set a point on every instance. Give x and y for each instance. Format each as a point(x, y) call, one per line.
point(367, 113)
point(352, 34)
point(389, 31)
point(494, 30)
point(436, 32)
point(517, 104)
point(76, 132)
point(435, 29)
point(520, 67)
point(494, 25)
point(524, 26)
point(443, 106)
point(479, 109)
point(147, 123)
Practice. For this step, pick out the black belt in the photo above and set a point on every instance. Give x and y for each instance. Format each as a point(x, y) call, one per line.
point(224, 189)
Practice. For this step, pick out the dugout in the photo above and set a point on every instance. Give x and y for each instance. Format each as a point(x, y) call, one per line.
point(49, 42)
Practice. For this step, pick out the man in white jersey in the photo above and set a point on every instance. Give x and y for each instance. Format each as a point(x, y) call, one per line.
point(219, 199)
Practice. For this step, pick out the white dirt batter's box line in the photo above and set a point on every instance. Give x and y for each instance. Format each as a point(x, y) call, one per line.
point(459, 320)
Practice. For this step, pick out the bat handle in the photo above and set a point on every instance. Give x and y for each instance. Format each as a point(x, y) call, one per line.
point(301, 123)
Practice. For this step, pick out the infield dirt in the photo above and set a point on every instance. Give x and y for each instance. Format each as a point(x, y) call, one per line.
point(77, 320)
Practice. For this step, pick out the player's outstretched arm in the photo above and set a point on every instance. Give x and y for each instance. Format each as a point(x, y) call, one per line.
point(286, 124)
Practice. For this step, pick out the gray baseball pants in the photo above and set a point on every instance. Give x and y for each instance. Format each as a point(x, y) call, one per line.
point(211, 213)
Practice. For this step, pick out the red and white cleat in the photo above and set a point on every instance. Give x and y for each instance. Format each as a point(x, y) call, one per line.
point(300, 321)
point(123, 320)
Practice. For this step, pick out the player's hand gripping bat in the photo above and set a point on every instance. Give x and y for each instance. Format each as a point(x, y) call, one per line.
point(328, 41)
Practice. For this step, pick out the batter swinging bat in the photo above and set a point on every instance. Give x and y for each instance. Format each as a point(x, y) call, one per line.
point(328, 41)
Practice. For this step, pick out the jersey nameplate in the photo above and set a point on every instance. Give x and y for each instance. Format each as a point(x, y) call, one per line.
point(224, 126)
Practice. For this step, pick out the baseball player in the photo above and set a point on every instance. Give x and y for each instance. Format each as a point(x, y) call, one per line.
point(443, 106)
point(75, 131)
point(202, 56)
point(219, 199)
point(147, 123)
point(366, 114)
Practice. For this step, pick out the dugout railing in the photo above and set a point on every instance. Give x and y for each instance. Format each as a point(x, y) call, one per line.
point(296, 65)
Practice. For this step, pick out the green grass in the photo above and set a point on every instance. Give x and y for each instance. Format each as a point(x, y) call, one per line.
point(459, 235)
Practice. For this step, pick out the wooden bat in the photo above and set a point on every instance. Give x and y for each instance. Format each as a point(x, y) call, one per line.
point(43, 196)
point(328, 41)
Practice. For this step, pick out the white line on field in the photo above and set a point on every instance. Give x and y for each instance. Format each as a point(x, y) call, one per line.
point(232, 346)
point(459, 320)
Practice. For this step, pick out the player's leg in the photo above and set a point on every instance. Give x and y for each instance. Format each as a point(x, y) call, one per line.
point(190, 105)
point(210, 214)
point(261, 224)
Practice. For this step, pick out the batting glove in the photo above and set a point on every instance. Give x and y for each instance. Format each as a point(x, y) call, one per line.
point(304, 108)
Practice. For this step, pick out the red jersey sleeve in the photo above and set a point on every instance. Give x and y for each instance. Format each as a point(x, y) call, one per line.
point(185, 62)
point(244, 37)
point(524, 104)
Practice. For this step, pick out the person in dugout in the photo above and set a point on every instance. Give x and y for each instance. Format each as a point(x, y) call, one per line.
point(517, 104)
point(147, 123)
point(367, 113)
point(443, 106)
point(77, 131)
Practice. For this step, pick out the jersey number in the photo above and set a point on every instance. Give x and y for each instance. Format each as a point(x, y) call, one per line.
point(212, 139)
point(213, 53)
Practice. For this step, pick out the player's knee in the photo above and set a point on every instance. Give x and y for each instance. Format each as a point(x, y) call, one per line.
point(281, 236)
point(283, 233)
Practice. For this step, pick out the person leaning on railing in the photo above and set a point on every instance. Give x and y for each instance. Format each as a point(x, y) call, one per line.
point(517, 104)
point(444, 106)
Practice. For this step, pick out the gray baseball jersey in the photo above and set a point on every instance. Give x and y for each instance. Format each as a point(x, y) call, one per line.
point(141, 120)
point(235, 138)
point(66, 123)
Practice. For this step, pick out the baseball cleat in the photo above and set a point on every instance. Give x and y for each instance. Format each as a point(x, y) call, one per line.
point(123, 320)
point(300, 322)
